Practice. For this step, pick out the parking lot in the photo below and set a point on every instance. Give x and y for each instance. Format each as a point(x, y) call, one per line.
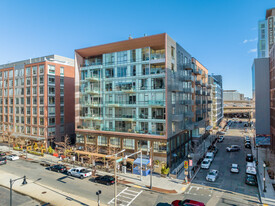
point(222, 162)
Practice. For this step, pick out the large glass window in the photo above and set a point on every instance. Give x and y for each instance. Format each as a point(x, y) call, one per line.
point(121, 57)
point(41, 69)
point(34, 70)
point(51, 69)
point(121, 71)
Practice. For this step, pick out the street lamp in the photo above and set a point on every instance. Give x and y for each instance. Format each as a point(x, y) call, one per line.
point(11, 183)
point(264, 165)
point(98, 193)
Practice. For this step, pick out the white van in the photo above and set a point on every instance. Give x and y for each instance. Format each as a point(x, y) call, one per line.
point(210, 156)
point(251, 168)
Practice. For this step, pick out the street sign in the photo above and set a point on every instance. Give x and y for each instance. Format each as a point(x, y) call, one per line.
point(185, 164)
point(190, 163)
point(119, 160)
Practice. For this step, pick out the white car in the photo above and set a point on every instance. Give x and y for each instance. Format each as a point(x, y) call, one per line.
point(212, 175)
point(210, 156)
point(205, 164)
point(12, 157)
point(221, 138)
point(80, 172)
point(251, 168)
point(234, 168)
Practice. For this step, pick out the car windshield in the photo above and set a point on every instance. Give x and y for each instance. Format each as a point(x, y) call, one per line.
point(212, 173)
point(234, 167)
point(205, 162)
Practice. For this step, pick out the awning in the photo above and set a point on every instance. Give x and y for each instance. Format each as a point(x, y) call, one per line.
point(208, 128)
point(144, 161)
point(17, 135)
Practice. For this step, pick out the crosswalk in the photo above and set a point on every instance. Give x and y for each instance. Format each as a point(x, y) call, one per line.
point(125, 197)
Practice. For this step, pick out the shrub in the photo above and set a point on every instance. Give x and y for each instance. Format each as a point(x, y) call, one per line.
point(17, 148)
point(50, 150)
point(165, 170)
point(35, 153)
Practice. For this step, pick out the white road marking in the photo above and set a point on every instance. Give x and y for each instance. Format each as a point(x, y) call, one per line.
point(129, 195)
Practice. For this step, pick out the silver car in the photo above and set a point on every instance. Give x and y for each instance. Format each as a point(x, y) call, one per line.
point(212, 175)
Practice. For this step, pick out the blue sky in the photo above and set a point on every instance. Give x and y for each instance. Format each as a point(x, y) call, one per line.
point(221, 34)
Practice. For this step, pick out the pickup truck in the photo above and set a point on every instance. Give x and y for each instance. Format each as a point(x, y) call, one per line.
point(251, 168)
point(79, 172)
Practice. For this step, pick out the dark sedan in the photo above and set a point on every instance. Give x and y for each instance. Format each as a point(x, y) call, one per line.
point(107, 180)
point(3, 160)
point(2, 154)
point(187, 203)
point(251, 180)
point(247, 145)
point(58, 168)
point(249, 158)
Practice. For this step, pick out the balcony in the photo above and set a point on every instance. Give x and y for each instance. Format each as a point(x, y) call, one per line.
point(176, 88)
point(92, 91)
point(189, 114)
point(155, 103)
point(198, 82)
point(188, 66)
point(129, 90)
point(188, 90)
point(198, 92)
point(93, 78)
point(126, 117)
point(157, 58)
point(187, 102)
point(187, 78)
point(197, 72)
point(177, 117)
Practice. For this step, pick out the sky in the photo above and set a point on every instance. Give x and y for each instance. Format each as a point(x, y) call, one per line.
point(221, 34)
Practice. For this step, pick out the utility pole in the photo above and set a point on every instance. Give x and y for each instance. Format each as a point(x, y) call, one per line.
point(115, 173)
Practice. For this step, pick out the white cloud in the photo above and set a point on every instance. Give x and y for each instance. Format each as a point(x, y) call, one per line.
point(252, 50)
point(249, 40)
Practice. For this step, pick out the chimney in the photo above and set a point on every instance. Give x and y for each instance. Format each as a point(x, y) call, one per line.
point(130, 37)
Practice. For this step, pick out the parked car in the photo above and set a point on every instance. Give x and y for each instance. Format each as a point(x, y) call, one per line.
point(12, 157)
point(3, 160)
point(249, 158)
point(212, 175)
point(233, 148)
point(251, 168)
point(58, 168)
point(2, 154)
point(107, 180)
point(187, 202)
point(247, 138)
point(247, 145)
point(251, 180)
point(234, 168)
point(79, 172)
point(214, 150)
point(205, 164)
point(210, 156)
point(220, 139)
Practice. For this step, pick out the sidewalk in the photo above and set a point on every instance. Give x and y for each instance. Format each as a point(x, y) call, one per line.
point(267, 197)
point(160, 184)
point(44, 193)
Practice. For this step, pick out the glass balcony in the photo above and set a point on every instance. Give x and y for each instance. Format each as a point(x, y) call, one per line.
point(187, 102)
point(92, 91)
point(157, 70)
point(188, 90)
point(93, 78)
point(188, 66)
point(187, 78)
point(198, 82)
point(156, 103)
point(197, 72)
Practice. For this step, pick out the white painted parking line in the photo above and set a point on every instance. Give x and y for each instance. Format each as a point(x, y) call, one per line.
point(125, 197)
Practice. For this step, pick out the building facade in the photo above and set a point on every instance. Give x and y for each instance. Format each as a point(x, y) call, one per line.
point(232, 95)
point(272, 96)
point(136, 95)
point(261, 88)
point(37, 98)
point(216, 98)
point(266, 33)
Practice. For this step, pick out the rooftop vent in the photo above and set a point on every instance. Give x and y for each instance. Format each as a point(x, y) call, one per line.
point(130, 37)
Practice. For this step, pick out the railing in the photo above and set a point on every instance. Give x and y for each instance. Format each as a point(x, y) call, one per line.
point(197, 72)
point(198, 92)
point(187, 78)
point(188, 66)
point(187, 101)
point(198, 82)
point(188, 90)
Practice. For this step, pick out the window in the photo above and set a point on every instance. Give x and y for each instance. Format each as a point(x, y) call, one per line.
point(172, 51)
point(61, 110)
point(28, 100)
point(28, 120)
point(61, 81)
point(109, 73)
point(41, 80)
point(61, 100)
point(41, 100)
point(22, 100)
point(51, 69)
point(52, 121)
point(41, 90)
point(17, 100)
point(51, 90)
point(41, 121)
point(41, 110)
point(51, 80)
point(121, 71)
point(34, 100)
point(41, 69)
point(34, 80)
point(133, 70)
point(61, 70)
point(28, 110)
point(51, 110)
point(121, 57)
point(51, 100)
point(34, 120)
point(28, 81)
point(28, 90)
point(28, 71)
point(62, 120)
point(34, 110)
point(34, 90)
point(34, 70)
point(61, 90)
point(10, 82)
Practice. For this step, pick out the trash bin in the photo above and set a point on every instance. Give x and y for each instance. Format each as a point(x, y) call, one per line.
point(123, 169)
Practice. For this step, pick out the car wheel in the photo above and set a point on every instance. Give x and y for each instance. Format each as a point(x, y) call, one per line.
point(50, 169)
point(108, 183)
point(58, 171)
point(81, 177)
point(70, 174)
point(96, 181)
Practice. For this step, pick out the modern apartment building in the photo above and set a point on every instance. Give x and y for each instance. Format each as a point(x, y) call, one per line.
point(216, 98)
point(37, 98)
point(232, 95)
point(139, 94)
point(266, 31)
